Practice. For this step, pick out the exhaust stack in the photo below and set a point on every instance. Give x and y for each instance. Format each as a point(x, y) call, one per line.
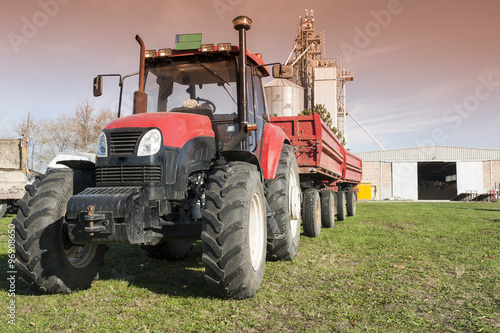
point(140, 97)
point(242, 24)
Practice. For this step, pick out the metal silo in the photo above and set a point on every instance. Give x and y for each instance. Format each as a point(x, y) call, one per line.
point(284, 98)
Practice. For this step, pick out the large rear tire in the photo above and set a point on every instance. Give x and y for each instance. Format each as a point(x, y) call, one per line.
point(234, 231)
point(312, 213)
point(341, 206)
point(49, 262)
point(171, 249)
point(352, 197)
point(284, 200)
point(327, 209)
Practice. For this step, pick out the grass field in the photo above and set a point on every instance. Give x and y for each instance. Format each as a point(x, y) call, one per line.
point(395, 267)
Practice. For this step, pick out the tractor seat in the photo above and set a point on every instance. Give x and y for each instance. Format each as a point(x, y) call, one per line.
point(201, 110)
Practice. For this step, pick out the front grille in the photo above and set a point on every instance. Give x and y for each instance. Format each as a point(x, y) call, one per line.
point(128, 174)
point(123, 143)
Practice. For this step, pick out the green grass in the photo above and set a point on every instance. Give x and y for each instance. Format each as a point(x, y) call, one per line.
point(395, 267)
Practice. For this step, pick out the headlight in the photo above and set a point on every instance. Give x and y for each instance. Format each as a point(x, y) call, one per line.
point(102, 145)
point(150, 143)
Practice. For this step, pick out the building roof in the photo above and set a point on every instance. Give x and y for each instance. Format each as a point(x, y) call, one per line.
point(431, 153)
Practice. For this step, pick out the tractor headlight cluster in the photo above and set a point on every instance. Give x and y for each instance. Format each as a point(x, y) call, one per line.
point(150, 143)
point(102, 145)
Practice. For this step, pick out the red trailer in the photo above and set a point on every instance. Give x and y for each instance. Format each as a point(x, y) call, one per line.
point(328, 172)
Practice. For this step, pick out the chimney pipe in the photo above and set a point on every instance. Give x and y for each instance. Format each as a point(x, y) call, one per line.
point(140, 97)
point(242, 24)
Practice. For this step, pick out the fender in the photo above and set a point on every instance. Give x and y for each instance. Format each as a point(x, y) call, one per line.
point(270, 150)
point(76, 160)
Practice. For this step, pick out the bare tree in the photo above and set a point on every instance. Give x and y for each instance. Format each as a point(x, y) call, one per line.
point(34, 130)
point(78, 132)
point(88, 124)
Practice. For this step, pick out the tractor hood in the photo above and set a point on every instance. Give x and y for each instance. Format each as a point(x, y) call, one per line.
point(176, 128)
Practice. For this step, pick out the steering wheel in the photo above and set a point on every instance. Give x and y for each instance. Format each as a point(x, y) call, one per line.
point(210, 104)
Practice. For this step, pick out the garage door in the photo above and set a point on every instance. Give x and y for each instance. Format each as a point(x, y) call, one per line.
point(404, 181)
point(469, 177)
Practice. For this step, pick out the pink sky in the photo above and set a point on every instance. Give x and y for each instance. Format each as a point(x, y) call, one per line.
point(426, 71)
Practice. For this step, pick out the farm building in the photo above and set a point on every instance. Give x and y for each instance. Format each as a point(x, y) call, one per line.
point(430, 172)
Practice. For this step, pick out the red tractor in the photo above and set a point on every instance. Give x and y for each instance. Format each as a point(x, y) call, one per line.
point(198, 159)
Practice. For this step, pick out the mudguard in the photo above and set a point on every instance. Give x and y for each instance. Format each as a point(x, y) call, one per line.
point(270, 150)
point(75, 160)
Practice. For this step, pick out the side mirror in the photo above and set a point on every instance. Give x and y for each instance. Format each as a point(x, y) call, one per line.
point(282, 72)
point(98, 86)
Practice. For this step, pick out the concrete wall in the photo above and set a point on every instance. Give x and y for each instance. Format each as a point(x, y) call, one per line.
point(491, 175)
point(10, 154)
point(372, 174)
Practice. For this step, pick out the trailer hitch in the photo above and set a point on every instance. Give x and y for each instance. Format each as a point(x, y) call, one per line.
point(92, 218)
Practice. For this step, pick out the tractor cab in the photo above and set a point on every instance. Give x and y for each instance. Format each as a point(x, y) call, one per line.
point(205, 82)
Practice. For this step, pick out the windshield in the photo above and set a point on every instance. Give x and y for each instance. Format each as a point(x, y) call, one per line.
point(193, 84)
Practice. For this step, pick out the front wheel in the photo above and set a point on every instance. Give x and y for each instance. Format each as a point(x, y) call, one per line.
point(49, 262)
point(234, 231)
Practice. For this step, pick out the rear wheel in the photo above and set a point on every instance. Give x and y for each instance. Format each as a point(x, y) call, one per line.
point(234, 231)
point(171, 249)
point(284, 200)
point(312, 213)
point(49, 261)
point(352, 197)
point(341, 206)
point(327, 209)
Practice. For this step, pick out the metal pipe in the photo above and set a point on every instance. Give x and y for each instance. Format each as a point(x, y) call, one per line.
point(491, 174)
point(242, 24)
point(290, 56)
point(142, 63)
point(140, 97)
point(300, 56)
point(364, 129)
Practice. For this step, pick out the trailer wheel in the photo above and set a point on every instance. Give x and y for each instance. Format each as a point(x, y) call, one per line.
point(49, 262)
point(341, 206)
point(327, 209)
point(234, 231)
point(352, 197)
point(284, 200)
point(3, 208)
point(171, 249)
point(312, 213)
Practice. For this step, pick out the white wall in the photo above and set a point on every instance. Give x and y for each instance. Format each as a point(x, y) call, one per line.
point(325, 90)
point(470, 177)
point(405, 180)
